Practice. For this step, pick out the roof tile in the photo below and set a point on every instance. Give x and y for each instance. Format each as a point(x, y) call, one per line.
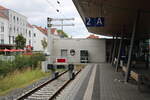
point(92, 36)
point(3, 16)
point(3, 8)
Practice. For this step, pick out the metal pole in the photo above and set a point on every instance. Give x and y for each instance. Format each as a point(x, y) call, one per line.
point(114, 50)
point(118, 58)
point(49, 40)
point(131, 45)
point(62, 25)
point(50, 47)
point(147, 60)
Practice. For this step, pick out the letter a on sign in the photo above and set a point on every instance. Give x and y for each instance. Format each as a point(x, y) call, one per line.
point(99, 21)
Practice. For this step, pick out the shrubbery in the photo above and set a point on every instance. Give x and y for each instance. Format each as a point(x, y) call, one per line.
point(21, 62)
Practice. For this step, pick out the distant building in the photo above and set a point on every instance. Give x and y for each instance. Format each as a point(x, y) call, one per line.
point(54, 31)
point(4, 37)
point(29, 35)
point(13, 23)
point(17, 23)
point(95, 47)
point(40, 34)
point(92, 36)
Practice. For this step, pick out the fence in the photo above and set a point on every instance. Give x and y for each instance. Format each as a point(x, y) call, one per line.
point(7, 58)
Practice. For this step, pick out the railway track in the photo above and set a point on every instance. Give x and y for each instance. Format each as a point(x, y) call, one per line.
point(48, 90)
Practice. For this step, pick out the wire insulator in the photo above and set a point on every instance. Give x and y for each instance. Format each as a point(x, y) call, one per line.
point(58, 2)
point(57, 10)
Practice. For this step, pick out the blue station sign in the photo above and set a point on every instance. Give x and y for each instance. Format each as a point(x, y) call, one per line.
point(94, 22)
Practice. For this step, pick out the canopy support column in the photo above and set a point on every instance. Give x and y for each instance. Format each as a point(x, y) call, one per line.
point(131, 45)
point(119, 51)
point(112, 46)
point(114, 50)
point(147, 61)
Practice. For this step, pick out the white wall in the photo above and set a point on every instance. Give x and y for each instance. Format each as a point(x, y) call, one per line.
point(17, 24)
point(4, 35)
point(37, 37)
point(29, 36)
point(95, 47)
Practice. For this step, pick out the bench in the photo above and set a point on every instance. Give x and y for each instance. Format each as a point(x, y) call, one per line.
point(134, 76)
point(142, 80)
point(140, 77)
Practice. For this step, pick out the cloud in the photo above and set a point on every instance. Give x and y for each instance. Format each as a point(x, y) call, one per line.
point(37, 12)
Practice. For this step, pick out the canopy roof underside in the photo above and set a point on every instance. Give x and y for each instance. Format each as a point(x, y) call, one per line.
point(119, 16)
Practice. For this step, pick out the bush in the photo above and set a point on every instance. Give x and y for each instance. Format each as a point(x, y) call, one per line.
point(21, 62)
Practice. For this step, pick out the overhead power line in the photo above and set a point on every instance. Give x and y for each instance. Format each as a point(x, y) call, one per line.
point(52, 5)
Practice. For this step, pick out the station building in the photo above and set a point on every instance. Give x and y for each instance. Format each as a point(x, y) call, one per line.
point(86, 50)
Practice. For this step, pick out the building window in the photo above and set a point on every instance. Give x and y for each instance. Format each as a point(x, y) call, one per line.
point(2, 41)
point(17, 30)
point(29, 42)
point(29, 33)
point(13, 38)
point(63, 52)
point(9, 39)
point(17, 19)
point(14, 18)
point(14, 29)
point(1, 38)
point(2, 27)
point(34, 35)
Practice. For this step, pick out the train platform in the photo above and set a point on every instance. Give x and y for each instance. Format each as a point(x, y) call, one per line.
point(101, 82)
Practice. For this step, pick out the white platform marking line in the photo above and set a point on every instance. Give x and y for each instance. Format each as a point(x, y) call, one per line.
point(89, 90)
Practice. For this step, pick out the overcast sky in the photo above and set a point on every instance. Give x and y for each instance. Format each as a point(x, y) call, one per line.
point(37, 12)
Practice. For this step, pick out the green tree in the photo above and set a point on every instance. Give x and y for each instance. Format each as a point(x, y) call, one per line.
point(20, 42)
point(62, 33)
point(44, 43)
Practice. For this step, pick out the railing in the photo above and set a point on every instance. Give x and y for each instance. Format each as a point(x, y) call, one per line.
point(7, 58)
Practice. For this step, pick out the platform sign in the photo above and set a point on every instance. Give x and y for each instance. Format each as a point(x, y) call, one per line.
point(94, 22)
point(61, 60)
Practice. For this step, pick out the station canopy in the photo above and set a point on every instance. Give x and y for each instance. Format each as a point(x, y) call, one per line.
point(119, 16)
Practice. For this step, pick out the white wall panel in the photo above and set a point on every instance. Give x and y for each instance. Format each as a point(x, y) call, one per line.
point(95, 47)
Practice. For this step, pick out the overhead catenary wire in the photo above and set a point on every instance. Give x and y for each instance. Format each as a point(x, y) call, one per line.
point(58, 2)
point(53, 6)
point(57, 9)
point(60, 10)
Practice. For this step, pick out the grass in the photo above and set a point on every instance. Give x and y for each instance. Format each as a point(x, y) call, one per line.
point(20, 79)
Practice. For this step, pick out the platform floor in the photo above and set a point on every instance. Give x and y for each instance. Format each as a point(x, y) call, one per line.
point(101, 82)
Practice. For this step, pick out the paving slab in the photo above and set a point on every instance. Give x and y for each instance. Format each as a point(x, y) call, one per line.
point(107, 85)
